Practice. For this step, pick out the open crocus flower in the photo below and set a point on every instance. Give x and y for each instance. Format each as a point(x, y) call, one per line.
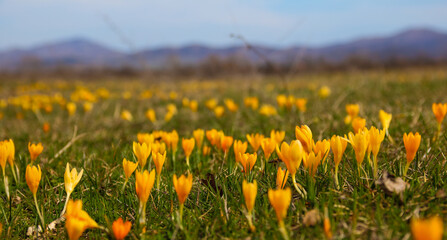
point(411, 142)
point(142, 152)
point(281, 178)
point(182, 186)
point(338, 147)
point(280, 200)
point(278, 136)
point(121, 229)
point(292, 156)
point(440, 110)
point(35, 150)
point(143, 186)
point(268, 146)
point(188, 146)
point(359, 142)
point(248, 161)
point(250, 191)
point(239, 148)
point(376, 137)
point(78, 220)
point(255, 140)
point(198, 136)
point(71, 179)
point(33, 175)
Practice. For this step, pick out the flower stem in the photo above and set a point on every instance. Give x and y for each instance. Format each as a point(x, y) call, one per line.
point(283, 230)
point(406, 168)
point(336, 177)
point(42, 220)
point(298, 187)
point(5, 180)
point(65, 205)
point(376, 167)
point(124, 185)
point(142, 219)
point(14, 173)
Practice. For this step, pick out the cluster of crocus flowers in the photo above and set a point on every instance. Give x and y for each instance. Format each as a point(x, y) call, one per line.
point(280, 200)
point(250, 191)
point(427, 229)
point(188, 146)
point(292, 156)
point(182, 186)
point(35, 150)
point(144, 181)
point(33, 175)
point(71, 179)
point(121, 229)
point(77, 220)
point(411, 142)
point(239, 148)
point(353, 111)
point(439, 110)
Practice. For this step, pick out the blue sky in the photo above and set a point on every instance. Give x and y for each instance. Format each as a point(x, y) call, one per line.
point(129, 25)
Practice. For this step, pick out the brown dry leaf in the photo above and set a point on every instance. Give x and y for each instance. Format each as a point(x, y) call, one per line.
point(392, 184)
point(311, 218)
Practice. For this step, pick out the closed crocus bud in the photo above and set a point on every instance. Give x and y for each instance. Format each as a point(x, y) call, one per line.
point(250, 190)
point(291, 155)
point(198, 136)
point(77, 220)
point(143, 184)
point(281, 178)
point(182, 186)
point(278, 136)
point(358, 124)
point(35, 150)
point(71, 179)
point(427, 229)
point(239, 148)
point(440, 110)
point(255, 140)
point(188, 146)
point(385, 119)
point(280, 200)
point(142, 152)
point(129, 167)
point(121, 229)
point(33, 175)
point(159, 160)
point(304, 135)
point(248, 161)
point(338, 147)
point(268, 145)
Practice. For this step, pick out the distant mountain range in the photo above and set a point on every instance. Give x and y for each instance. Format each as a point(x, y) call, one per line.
point(410, 44)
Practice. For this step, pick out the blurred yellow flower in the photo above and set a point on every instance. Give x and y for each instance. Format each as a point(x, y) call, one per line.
point(268, 147)
point(219, 111)
point(280, 200)
point(358, 124)
point(411, 142)
point(301, 104)
point(427, 229)
point(198, 136)
point(231, 105)
point(35, 150)
point(126, 115)
point(281, 178)
point(150, 115)
point(385, 119)
point(324, 92)
point(77, 220)
point(278, 136)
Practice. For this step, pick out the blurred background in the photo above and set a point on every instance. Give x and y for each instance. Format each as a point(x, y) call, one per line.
point(147, 38)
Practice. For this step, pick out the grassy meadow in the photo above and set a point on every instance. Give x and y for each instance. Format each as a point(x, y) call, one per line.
point(92, 126)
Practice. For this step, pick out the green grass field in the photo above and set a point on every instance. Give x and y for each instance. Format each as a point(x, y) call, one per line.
point(214, 209)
